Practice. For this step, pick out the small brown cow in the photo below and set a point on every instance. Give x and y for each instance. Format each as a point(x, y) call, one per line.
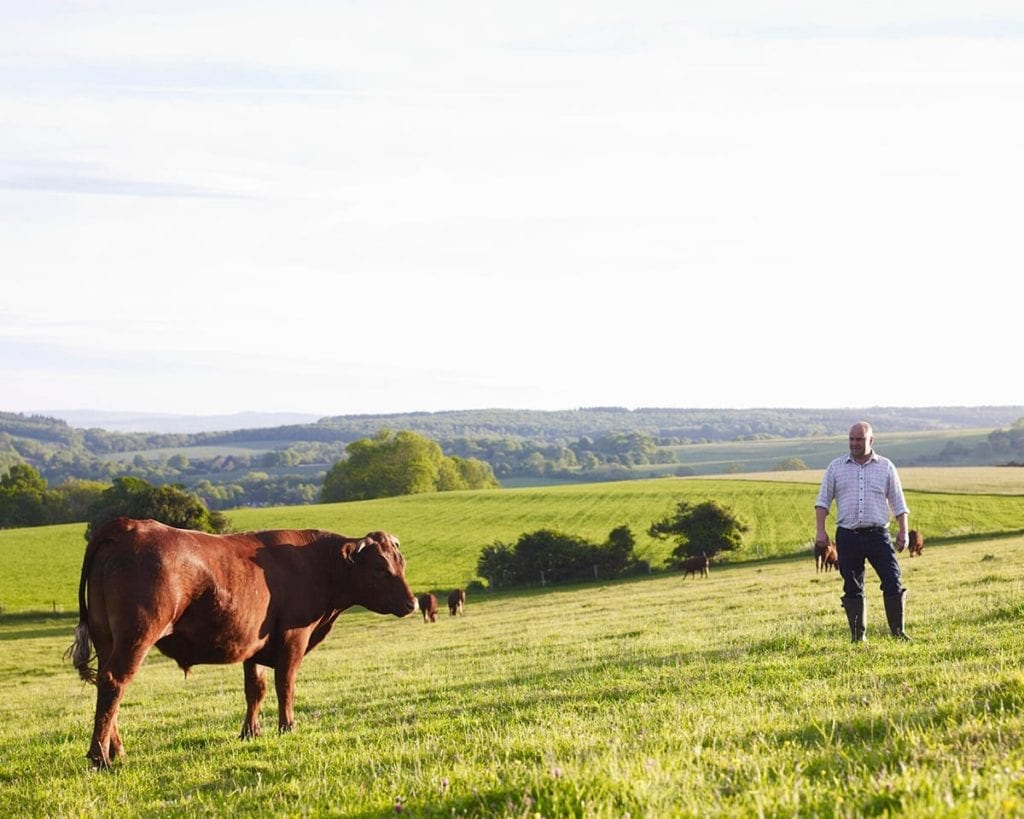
point(456, 601)
point(915, 543)
point(693, 565)
point(263, 599)
point(428, 605)
point(826, 556)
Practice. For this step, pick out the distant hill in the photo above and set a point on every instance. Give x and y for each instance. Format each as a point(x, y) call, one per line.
point(269, 459)
point(706, 424)
point(159, 422)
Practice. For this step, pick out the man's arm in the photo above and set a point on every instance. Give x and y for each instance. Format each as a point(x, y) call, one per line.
point(820, 513)
point(901, 535)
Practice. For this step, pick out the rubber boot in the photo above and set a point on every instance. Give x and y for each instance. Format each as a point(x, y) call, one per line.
point(857, 616)
point(894, 605)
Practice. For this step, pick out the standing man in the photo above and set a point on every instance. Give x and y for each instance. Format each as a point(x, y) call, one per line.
point(865, 487)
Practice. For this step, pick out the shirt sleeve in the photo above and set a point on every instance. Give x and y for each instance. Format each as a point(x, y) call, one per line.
point(828, 488)
point(896, 500)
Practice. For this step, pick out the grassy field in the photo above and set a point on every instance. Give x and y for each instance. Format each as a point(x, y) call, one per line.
point(816, 452)
point(735, 695)
point(955, 480)
point(442, 534)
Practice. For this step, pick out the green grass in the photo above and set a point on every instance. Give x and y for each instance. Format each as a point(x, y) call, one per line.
point(816, 452)
point(736, 695)
point(442, 534)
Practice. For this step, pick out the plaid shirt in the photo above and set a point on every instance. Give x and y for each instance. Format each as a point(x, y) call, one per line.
point(864, 494)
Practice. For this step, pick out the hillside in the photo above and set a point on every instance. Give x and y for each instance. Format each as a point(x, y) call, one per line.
point(443, 533)
point(285, 464)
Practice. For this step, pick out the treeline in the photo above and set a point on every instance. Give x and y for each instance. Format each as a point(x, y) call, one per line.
point(287, 465)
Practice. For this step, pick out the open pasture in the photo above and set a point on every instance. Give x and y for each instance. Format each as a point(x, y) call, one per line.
point(442, 534)
point(735, 695)
point(969, 480)
point(747, 456)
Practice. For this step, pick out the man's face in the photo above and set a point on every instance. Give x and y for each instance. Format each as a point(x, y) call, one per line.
point(860, 442)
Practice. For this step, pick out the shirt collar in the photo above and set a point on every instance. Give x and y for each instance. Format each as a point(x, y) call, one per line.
point(874, 457)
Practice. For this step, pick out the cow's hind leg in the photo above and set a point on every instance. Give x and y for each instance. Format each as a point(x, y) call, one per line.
point(115, 672)
point(255, 691)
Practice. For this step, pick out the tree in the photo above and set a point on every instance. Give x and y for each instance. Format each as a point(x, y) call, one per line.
point(178, 461)
point(24, 498)
point(708, 528)
point(475, 473)
point(75, 497)
point(616, 556)
point(400, 463)
point(548, 556)
point(135, 498)
point(497, 564)
point(790, 465)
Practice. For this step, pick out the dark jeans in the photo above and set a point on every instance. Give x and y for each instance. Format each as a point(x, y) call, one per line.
point(871, 545)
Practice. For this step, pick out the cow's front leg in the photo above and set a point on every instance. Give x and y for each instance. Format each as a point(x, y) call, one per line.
point(285, 673)
point(255, 691)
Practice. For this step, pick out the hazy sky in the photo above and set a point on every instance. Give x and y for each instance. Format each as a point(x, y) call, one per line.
point(345, 207)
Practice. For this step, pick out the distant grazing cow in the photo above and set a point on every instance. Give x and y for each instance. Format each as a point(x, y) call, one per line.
point(263, 599)
point(826, 556)
point(915, 543)
point(428, 605)
point(693, 565)
point(456, 601)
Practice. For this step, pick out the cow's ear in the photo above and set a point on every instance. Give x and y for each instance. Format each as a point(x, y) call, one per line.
point(354, 554)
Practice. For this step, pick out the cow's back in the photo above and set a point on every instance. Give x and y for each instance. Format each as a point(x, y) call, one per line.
point(200, 598)
point(161, 560)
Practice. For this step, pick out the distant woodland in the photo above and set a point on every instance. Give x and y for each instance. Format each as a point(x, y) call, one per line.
point(286, 465)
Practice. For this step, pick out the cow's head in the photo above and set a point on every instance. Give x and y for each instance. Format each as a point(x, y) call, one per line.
point(376, 573)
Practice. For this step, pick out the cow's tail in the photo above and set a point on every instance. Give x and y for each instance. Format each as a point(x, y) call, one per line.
point(80, 651)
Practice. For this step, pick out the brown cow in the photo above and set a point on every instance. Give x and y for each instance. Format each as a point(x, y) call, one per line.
point(831, 557)
point(915, 543)
point(826, 556)
point(456, 602)
point(263, 599)
point(428, 605)
point(692, 565)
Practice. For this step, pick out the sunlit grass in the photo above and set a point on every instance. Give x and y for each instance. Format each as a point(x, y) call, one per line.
point(735, 695)
point(442, 534)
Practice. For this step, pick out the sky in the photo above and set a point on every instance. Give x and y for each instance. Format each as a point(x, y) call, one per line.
point(372, 207)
